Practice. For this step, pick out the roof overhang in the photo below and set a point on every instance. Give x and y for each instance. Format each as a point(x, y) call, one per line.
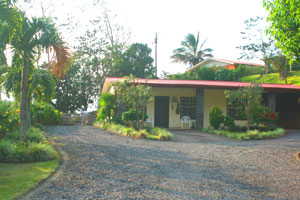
point(201, 84)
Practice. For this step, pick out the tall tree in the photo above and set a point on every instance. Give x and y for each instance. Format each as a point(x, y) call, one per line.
point(191, 51)
point(284, 18)
point(257, 45)
point(137, 61)
point(36, 35)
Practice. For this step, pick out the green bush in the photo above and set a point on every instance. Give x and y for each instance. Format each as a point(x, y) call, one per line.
point(36, 148)
point(130, 115)
point(216, 117)
point(12, 136)
point(35, 135)
point(249, 135)
point(229, 122)
point(224, 74)
point(45, 114)
point(9, 118)
point(6, 150)
point(106, 106)
point(40, 152)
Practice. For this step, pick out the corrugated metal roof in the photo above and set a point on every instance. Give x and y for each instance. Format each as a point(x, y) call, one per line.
point(202, 84)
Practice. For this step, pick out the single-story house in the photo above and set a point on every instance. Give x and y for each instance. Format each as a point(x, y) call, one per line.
point(194, 98)
point(230, 64)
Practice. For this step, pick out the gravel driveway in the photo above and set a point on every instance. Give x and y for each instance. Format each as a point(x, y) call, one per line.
point(106, 166)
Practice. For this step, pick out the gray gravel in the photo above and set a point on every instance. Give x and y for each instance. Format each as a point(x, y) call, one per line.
point(107, 166)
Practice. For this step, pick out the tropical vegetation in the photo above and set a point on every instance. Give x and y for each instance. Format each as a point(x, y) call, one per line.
point(191, 51)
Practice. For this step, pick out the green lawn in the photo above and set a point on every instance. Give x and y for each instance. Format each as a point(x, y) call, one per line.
point(293, 78)
point(16, 179)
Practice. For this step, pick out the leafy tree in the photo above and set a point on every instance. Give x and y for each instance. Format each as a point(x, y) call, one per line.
point(41, 84)
point(224, 74)
point(281, 64)
point(191, 51)
point(284, 18)
point(135, 95)
point(76, 90)
point(257, 45)
point(35, 36)
point(137, 61)
point(249, 97)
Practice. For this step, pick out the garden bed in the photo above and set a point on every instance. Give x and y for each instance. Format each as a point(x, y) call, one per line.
point(148, 133)
point(25, 164)
point(249, 135)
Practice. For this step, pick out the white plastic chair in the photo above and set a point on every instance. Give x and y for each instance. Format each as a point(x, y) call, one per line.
point(186, 120)
point(149, 120)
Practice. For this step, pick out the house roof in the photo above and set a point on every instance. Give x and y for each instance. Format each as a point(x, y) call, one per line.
point(201, 84)
point(229, 62)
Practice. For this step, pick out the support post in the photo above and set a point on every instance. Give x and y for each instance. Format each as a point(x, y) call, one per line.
point(199, 107)
point(272, 101)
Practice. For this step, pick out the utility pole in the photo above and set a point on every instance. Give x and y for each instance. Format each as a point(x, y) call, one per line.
point(155, 41)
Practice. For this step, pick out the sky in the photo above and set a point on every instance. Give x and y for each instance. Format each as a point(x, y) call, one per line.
point(218, 21)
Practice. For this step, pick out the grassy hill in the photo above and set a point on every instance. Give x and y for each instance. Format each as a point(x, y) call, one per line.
point(293, 78)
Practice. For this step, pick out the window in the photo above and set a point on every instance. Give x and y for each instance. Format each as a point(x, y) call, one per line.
point(235, 110)
point(188, 107)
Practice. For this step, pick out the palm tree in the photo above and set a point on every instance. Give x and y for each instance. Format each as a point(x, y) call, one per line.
point(36, 35)
point(190, 52)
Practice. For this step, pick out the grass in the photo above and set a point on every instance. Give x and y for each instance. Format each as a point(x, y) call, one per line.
point(293, 78)
point(249, 135)
point(17, 179)
point(148, 133)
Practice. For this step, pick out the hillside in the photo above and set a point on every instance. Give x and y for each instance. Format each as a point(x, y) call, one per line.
point(293, 78)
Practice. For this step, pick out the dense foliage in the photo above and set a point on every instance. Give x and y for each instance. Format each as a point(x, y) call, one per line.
point(249, 97)
point(106, 107)
point(35, 147)
point(284, 19)
point(148, 133)
point(9, 118)
point(45, 114)
point(216, 117)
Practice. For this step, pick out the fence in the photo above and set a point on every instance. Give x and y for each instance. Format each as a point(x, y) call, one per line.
point(78, 119)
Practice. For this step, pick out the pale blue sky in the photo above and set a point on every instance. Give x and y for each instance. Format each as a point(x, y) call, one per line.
point(220, 21)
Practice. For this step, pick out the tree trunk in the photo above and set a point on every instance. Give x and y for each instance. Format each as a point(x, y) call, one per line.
point(24, 101)
point(28, 112)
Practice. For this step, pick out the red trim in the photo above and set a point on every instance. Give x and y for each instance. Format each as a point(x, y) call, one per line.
point(205, 84)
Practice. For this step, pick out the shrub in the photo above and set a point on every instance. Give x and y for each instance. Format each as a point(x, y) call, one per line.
point(216, 117)
point(229, 122)
point(224, 74)
point(45, 114)
point(149, 132)
point(40, 152)
point(130, 115)
point(6, 150)
point(9, 118)
point(35, 135)
point(35, 149)
point(12, 136)
point(106, 106)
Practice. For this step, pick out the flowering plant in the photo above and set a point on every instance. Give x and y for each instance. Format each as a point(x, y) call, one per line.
point(263, 116)
point(9, 118)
